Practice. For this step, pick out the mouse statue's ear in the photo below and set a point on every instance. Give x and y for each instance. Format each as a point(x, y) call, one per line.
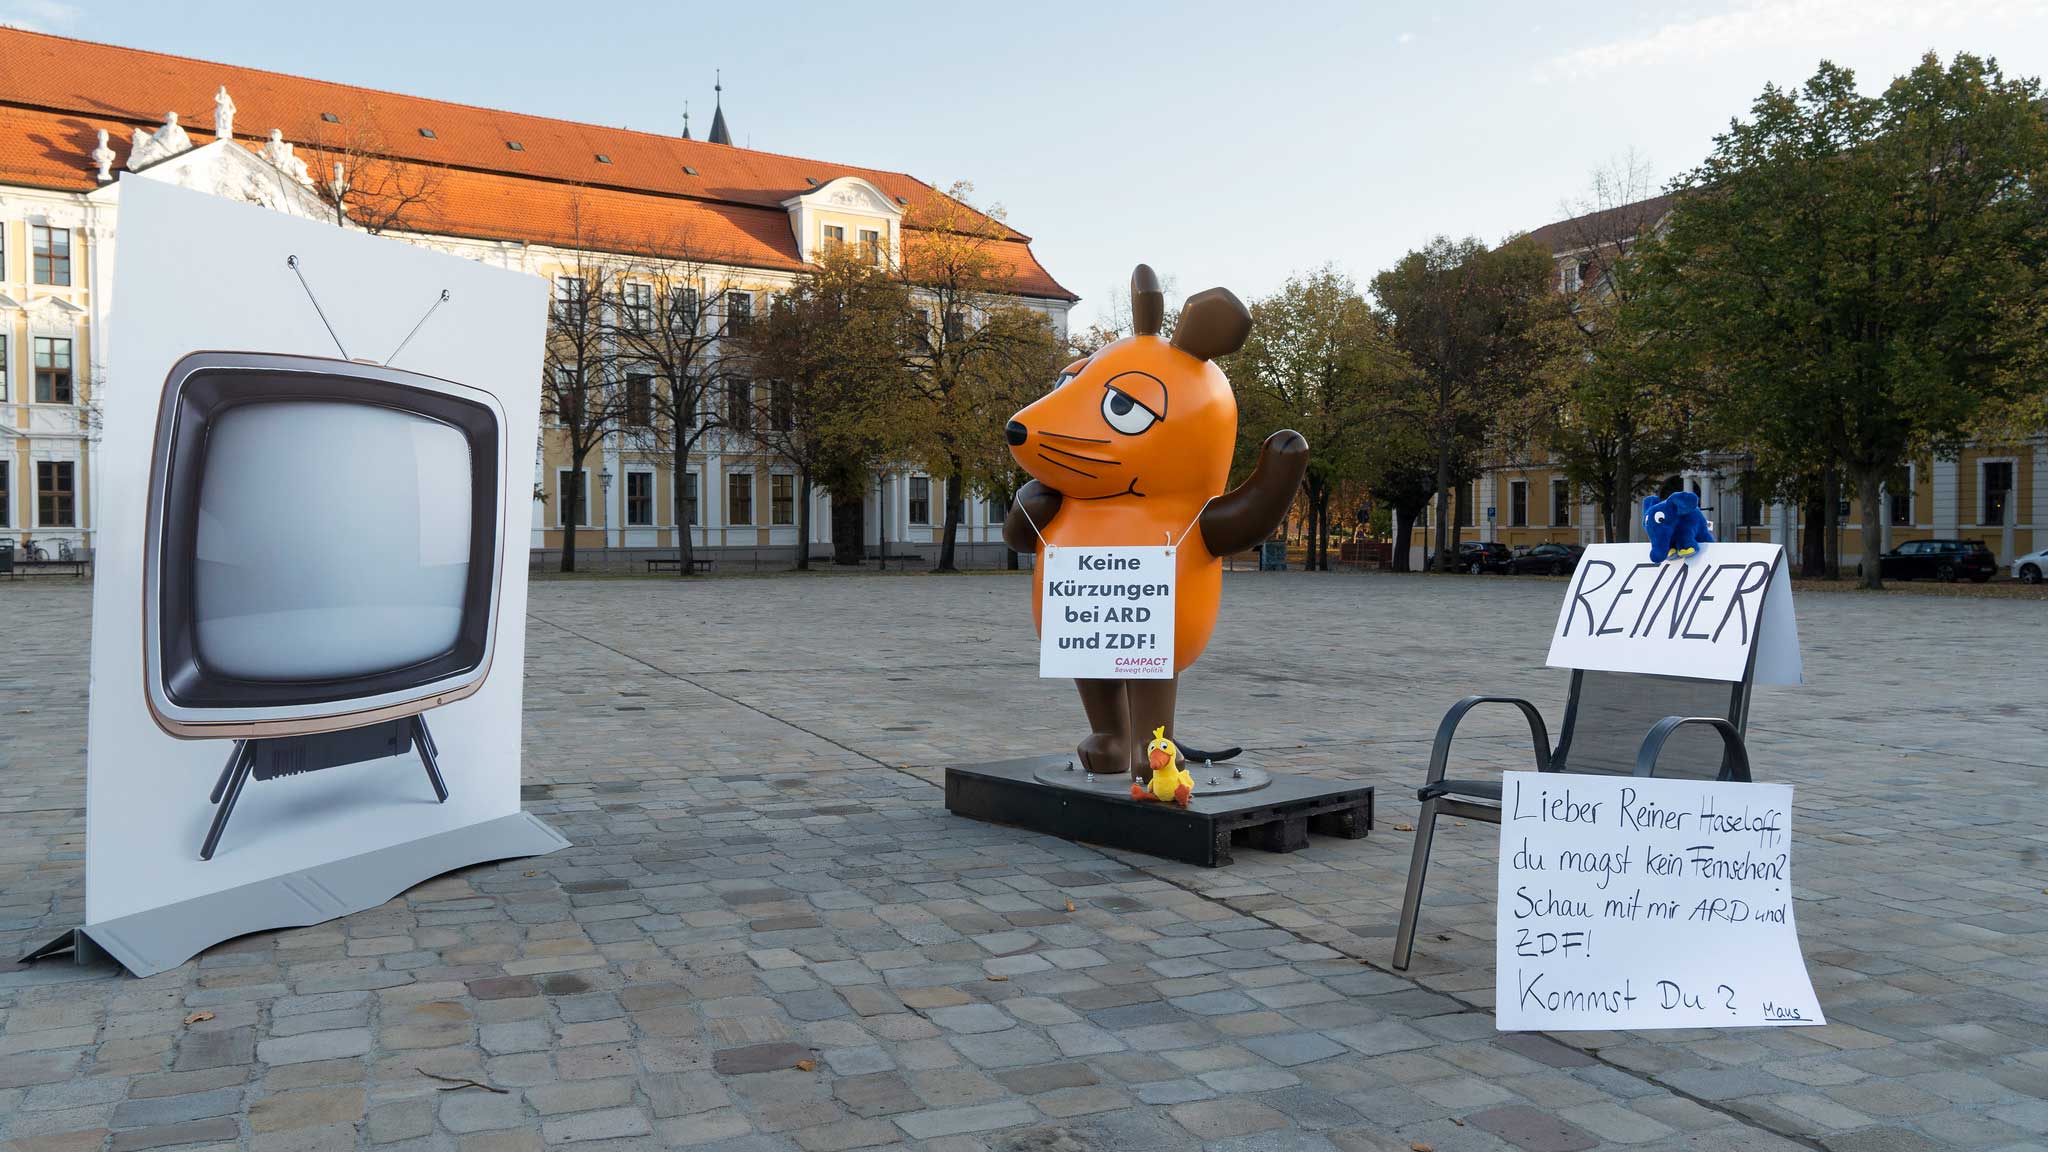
point(1148, 302)
point(1212, 323)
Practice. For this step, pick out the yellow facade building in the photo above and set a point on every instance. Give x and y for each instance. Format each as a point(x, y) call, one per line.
point(561, 200)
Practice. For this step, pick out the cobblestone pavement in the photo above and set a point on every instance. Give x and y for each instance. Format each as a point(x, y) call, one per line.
point(770, 935)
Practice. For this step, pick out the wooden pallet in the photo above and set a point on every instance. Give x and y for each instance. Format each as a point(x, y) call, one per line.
point(1277, 818)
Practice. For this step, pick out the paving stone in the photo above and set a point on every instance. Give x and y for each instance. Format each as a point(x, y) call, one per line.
point(213, 1130)
point(758, 1058)
point(1294, 1048)
point(1531, 1129)
point(971, 1018)
point(1223, 1118)
point(956, 1121)
point(473, 1111)
point(876, 1095)
point(606, 1124)
point(333, 1045)
point(1046, 1078)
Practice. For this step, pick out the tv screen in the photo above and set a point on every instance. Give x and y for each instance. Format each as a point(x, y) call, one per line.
point(323, 544)
point(333, 540)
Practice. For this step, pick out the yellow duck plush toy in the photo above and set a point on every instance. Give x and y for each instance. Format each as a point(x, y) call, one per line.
point(1170, 782)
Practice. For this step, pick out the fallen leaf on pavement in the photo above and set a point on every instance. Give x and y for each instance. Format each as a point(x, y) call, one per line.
point(805, 1065)
point(197, 1017)
point(996, 979)
point(1404, 827)
point(1421, 1147)
point(1070, 905)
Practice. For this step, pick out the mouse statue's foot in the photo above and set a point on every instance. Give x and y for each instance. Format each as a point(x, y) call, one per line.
point(1105, 755)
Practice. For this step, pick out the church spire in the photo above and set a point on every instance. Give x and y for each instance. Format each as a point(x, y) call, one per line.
point(719, 134)
point(686, 119)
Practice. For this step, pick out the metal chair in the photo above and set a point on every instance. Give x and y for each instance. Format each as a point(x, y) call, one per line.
point(1615, 724)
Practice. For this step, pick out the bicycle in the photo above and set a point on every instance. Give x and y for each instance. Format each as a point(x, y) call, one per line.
point(30, 552)
point(64, 551)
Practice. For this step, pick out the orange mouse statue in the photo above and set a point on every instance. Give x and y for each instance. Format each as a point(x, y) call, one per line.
point(1132, 446)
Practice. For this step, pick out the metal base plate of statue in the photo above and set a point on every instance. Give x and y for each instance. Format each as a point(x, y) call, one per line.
point(1256, 808)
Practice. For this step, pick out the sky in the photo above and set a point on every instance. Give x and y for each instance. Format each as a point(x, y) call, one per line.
point(1222, 143)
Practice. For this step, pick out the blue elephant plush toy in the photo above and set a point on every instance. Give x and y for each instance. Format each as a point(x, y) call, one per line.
point(1675, 525)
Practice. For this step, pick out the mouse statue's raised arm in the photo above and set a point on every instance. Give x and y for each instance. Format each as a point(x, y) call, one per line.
point(1132, 447)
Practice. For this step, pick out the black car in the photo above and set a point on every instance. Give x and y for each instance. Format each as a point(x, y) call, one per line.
point(1944, 560)
point(1476, 556)
point(1547, 560)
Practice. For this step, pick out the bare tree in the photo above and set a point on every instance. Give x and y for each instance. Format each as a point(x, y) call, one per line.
point(971, 332)
point(355, 173)
point(578, 397)
point(671, 312)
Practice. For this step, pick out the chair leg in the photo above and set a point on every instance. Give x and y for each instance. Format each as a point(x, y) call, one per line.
point(423, 743)
point(1411, 902)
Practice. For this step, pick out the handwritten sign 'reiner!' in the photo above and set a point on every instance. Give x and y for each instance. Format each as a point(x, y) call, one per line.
point(1107, 614)
point(1639, 903)
point(1707, 615)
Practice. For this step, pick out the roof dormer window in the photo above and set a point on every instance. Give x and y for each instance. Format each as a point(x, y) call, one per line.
point(427, 133)
point(515, 145)
point(330, 117)
point(603, 159)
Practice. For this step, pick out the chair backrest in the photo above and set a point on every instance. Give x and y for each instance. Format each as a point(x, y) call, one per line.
point(1609, 713)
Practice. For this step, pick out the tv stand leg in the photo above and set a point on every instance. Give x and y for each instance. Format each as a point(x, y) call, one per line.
point(227, 770)
point(227, 792)
point(423, 741)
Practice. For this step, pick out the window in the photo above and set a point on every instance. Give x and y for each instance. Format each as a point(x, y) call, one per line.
point(53, 370)
point(739, 498)
point(739, 404)
point(682, 310)
point(690, 498)
point(50, 249)
point(739, 312)
point(1997, 486)
point(6, 497)
point(570, 498)
point(640, 499)
point(920, 499)
point(1899, 505)
point(835, 237)
point(956, 327)
point(1465, 498)
point(782, 405)
point(640, 306)
point(55, 507)
point(871, 245)
point(569, 294)
point(1561, 503)
point(1518, 503)
point(1752, 509)
point(1568, 276)
point(639, 400)
point(782, 499)
point(3, 348)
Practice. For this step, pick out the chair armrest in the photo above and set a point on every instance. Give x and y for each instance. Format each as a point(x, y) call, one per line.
point(1440, 752)
point(1734, 768)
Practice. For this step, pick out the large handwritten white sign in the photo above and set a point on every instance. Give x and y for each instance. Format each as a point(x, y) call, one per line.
point(1632, 903)
point(1704, 615)
point(1107, 613)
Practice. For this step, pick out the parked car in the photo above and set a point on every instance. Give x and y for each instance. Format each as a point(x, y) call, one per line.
point(2031, 568)
point(1547, 560)
point(1944, 560)
point(1476, 556)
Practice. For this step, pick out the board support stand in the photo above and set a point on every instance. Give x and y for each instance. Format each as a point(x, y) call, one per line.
point(84, 952)
point(1277, 817)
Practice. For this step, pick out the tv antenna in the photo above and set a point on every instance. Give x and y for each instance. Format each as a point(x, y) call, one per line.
point(292, 262)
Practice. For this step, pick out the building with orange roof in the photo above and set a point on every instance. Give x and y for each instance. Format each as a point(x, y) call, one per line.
point(550, 197)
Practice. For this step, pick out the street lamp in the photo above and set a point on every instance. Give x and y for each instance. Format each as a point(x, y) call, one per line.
point(604, 483)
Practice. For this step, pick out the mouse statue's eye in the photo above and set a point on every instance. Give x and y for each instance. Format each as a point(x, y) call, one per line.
point(1061, 382)
point(1658, 517)
point(1125, 414)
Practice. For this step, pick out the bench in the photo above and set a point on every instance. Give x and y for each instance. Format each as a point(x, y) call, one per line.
point(75, 567)
point(675, 563)
point(1615, 723)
